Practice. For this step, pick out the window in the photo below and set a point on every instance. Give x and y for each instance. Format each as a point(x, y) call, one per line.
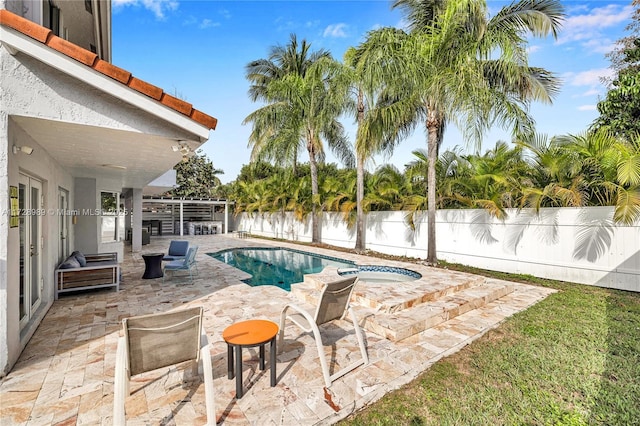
point(53, 23)
point(112, 217)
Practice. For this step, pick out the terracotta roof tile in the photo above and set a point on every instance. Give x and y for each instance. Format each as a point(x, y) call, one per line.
point(204, 119)
point(90, 59)
point(142, 86)
point(72, 50)
point(123, 76)
point(177, 104)
point(25, 26)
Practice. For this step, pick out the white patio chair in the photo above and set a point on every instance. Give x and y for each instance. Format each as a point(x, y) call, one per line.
point(160, 340)
point(333, 304)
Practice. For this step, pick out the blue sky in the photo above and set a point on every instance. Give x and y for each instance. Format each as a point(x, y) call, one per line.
point(198, 49)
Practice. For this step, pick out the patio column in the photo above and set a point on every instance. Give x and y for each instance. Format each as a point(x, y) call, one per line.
point(226, 217)
point(181, 218)
point(128, 208)
point(136, 220)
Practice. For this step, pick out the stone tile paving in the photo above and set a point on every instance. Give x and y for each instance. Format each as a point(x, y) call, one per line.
point(65, 374)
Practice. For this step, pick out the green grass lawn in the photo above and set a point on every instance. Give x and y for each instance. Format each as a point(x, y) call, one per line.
point(571, 359)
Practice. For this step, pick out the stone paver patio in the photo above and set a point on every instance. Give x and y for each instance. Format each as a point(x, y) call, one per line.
point(65, 374)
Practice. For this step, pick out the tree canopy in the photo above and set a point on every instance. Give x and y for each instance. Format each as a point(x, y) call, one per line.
point(196, 178)
point(620, 110)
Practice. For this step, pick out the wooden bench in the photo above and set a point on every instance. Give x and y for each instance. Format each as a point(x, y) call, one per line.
point(102, 270)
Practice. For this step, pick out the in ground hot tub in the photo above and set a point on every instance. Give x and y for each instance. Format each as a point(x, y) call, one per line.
point(381, 274)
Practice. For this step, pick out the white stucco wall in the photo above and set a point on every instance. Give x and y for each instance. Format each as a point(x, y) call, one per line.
point(58, 96)
point(28, 88)
point(580, 245)
point(41, 166)
point(4, 237)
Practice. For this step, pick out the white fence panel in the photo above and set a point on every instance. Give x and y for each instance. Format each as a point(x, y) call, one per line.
point(580, 245)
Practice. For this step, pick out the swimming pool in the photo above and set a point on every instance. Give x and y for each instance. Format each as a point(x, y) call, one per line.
point(277, 266)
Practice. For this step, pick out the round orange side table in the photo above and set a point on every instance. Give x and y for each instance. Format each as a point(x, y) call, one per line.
point(247, 334)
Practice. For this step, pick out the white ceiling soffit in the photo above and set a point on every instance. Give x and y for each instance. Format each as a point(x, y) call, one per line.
point(88, 151)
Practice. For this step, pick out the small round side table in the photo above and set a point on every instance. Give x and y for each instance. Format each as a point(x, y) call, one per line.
point(152, 265)
point(246, 334)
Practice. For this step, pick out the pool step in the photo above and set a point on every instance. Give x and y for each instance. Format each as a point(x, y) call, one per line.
point(392, 297)
point(405, 323)
point(408, 308)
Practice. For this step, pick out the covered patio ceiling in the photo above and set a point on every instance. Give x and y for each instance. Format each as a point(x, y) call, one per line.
point(89, 151)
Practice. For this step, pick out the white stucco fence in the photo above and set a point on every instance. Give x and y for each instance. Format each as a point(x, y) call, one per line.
point(580, 245)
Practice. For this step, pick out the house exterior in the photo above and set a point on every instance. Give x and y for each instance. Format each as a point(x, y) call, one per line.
point(79, 140)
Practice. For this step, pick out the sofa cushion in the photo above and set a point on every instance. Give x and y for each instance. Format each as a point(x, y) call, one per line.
point(70, 262)
point(80, 258)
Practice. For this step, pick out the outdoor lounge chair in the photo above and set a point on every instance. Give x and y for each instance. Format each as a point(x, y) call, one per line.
point(187, 264)
point(177, 250)
point(159, 340)
point(333, 304)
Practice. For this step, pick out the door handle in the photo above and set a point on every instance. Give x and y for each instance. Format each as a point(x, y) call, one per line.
point(31, 252)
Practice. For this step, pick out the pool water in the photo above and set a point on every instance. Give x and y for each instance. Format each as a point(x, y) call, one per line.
point(277, 266)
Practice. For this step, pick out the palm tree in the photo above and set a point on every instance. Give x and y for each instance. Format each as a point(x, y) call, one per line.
point(492, 181)
point(295, 58)
point(383, 190)
point(379, 129)
point(457, 65)
point(555, 178)
point(302, 110)
point(611, 170)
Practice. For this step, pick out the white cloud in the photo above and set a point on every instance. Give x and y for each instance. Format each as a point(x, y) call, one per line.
point(587, 108)
point(571, 9)
point(590, 78)
point(158, 7)
point(588, 26)
point(192, 21)
point(225, 13)
point(312, 24)
point(208, 23)
point(283, 24)
point(590, 92)
point(604, 45)
point(335, 30)
point(533, 49)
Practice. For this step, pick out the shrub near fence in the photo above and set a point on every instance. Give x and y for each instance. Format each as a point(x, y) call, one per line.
point(581, 245)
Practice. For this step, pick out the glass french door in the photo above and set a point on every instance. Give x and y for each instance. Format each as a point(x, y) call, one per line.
point(31, 244)
point(63, 225)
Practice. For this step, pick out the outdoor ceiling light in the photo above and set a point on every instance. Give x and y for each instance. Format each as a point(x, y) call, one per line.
point(183, 149)
point(114, 166)
point(26, 149)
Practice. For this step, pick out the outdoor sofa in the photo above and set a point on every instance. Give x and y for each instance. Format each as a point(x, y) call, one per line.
point(87, 271)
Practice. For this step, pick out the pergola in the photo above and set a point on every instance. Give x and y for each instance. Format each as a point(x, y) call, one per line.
point(184, 201)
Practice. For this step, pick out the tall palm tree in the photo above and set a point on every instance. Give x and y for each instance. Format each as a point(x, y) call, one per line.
point(293, 58)
point(457, 65)
point(303, 110)
point(379, 128)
